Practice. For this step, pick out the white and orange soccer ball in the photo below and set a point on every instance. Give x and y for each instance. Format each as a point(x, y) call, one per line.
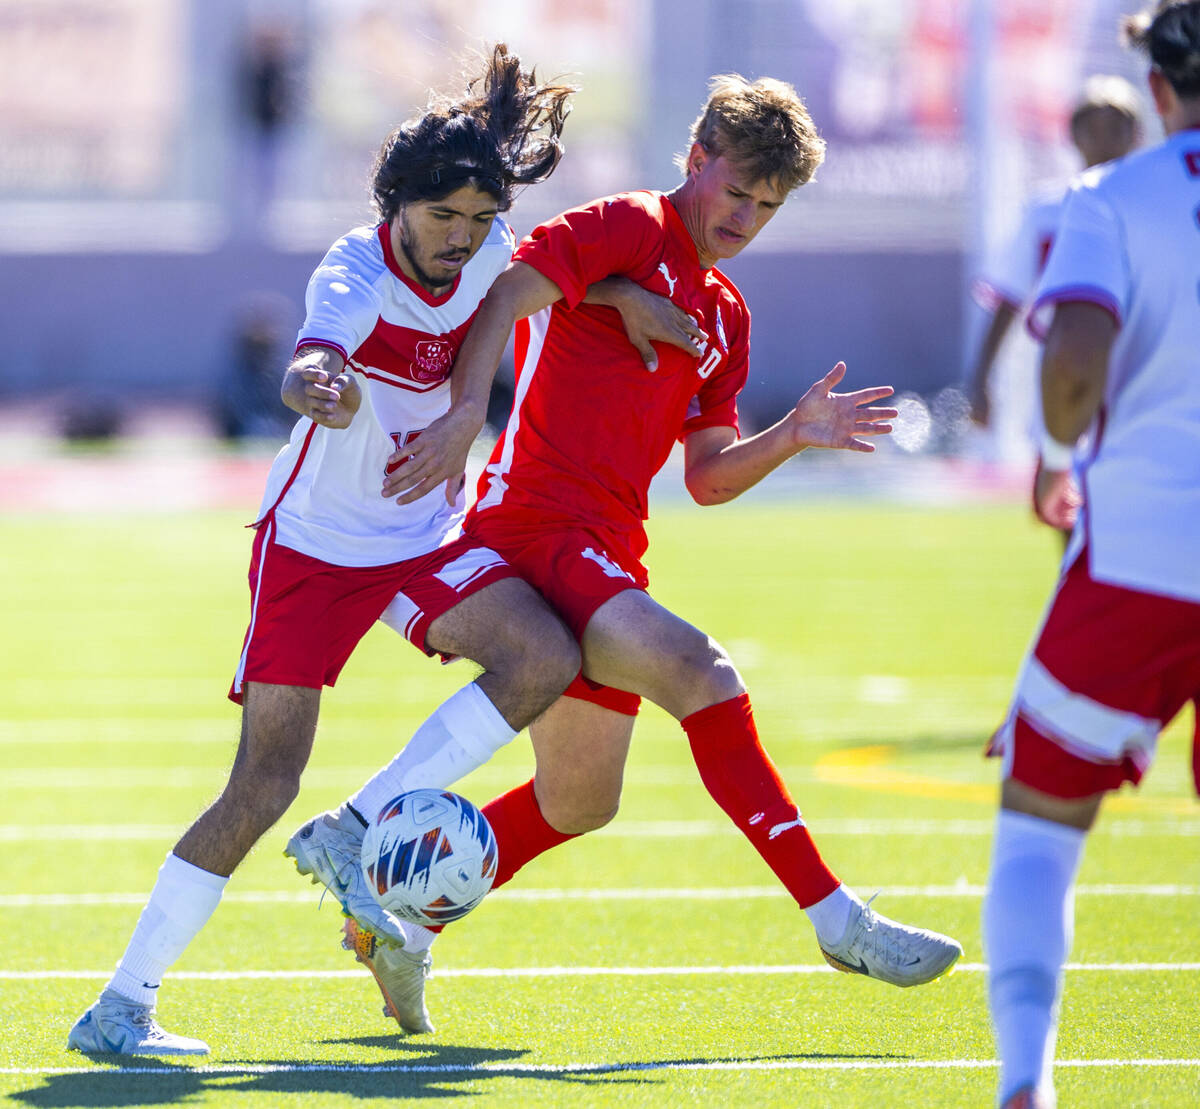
point(429, 856)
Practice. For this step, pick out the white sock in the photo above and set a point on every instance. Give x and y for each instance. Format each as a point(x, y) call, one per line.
point(180, 904)
point(831, 914)
point(417, 937)
point(462, 734)
point(1028, 916)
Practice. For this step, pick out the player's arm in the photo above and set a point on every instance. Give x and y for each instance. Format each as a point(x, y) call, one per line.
point(719, 466)
point(439, 454)
point(981, 372)
point(1074, 374)
point(314, 385)
point(648, 318)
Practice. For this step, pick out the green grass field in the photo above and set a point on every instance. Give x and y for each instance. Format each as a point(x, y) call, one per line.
point(651, 964)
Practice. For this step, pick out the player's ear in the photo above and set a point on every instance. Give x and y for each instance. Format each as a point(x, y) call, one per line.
point(1161, 91)
point(697, 158)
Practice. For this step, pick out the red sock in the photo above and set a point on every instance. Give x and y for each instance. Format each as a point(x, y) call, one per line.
point(741, 778)
point(521, 831)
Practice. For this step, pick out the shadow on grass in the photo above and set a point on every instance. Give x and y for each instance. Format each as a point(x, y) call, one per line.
point(429, 1072)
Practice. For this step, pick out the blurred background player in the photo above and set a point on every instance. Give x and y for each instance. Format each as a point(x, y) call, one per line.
point(387, 310)
point(1105, 125)
point(1118, 654)
point(565, 496)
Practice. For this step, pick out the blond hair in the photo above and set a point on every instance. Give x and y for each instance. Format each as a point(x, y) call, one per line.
point(762, 126)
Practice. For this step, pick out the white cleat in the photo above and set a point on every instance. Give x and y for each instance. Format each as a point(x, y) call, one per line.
point(400, 975)
point(329, 848)
point(116, 1025)
point(892, 952)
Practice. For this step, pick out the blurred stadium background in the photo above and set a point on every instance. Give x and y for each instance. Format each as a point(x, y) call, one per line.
point(171, 170)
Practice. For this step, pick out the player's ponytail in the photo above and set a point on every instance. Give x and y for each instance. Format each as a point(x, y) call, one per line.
point(1170, 34)
point(503, 133)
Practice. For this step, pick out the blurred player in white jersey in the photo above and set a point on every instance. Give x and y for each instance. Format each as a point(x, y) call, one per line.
point(386, 312)
point(1118, 653)
point(1105, 125)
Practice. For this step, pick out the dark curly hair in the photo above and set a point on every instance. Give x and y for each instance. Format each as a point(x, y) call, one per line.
point(503, 133)
point(1170, 34)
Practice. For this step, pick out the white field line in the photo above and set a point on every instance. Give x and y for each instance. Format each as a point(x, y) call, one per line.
point(569, 972)
point(517, 1070)
point(306, 895)
point(641, 829)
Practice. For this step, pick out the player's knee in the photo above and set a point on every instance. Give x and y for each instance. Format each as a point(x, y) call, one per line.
point(575, 821)
point(574, 813)
point(707, 671)
point(543, 660)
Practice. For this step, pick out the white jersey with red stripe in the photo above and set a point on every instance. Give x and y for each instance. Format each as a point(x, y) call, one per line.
point(1129, 241)
point(1012, 275)
point(401, 342)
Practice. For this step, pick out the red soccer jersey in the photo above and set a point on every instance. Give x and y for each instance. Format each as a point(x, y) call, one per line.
point(590, 425)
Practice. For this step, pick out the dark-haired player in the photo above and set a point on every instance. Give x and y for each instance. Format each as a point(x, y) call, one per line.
point(564, 496)
point(387, 310)
point(1118, 652)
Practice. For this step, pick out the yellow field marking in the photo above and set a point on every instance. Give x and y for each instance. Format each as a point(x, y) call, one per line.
point(870, 767)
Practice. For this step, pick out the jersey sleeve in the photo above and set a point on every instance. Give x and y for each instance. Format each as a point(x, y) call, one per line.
point(342, 301)
point(715, 402)
point(1010, 275)
point(1087, 263)
point(617, 236)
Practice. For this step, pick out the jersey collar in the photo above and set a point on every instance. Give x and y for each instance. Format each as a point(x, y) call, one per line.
point(389, 257)
point(678, 231)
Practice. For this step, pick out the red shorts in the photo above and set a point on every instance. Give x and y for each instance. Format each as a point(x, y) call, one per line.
point(307, 616)
point(1110, 669)
point(576, 571)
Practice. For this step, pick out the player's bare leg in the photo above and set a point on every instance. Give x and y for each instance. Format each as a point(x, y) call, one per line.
point(1028, 920)
point(581, 749)
point(278, 724)
point(527, 654)
point(635, 644)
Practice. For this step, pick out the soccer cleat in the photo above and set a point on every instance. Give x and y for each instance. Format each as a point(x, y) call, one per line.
point(329, 849)
point(400, 975)
point(116, 1025)
point(892, 952)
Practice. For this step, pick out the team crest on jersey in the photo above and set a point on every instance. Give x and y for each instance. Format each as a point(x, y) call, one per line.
point(432, 360)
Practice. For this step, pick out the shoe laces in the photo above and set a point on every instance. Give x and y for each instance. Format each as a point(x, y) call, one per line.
point(135, 1012)
point(880, 940)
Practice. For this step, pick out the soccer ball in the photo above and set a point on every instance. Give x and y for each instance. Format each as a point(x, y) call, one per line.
point(429, 856)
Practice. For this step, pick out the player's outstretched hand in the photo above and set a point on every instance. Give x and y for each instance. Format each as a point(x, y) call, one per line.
point(437, 455)
point(650, 318)
point(330, 402)
point(824, 418)
point(1056, 498)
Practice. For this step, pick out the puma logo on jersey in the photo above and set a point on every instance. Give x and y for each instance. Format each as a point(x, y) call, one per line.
point(671, 281)
point(610, 568)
